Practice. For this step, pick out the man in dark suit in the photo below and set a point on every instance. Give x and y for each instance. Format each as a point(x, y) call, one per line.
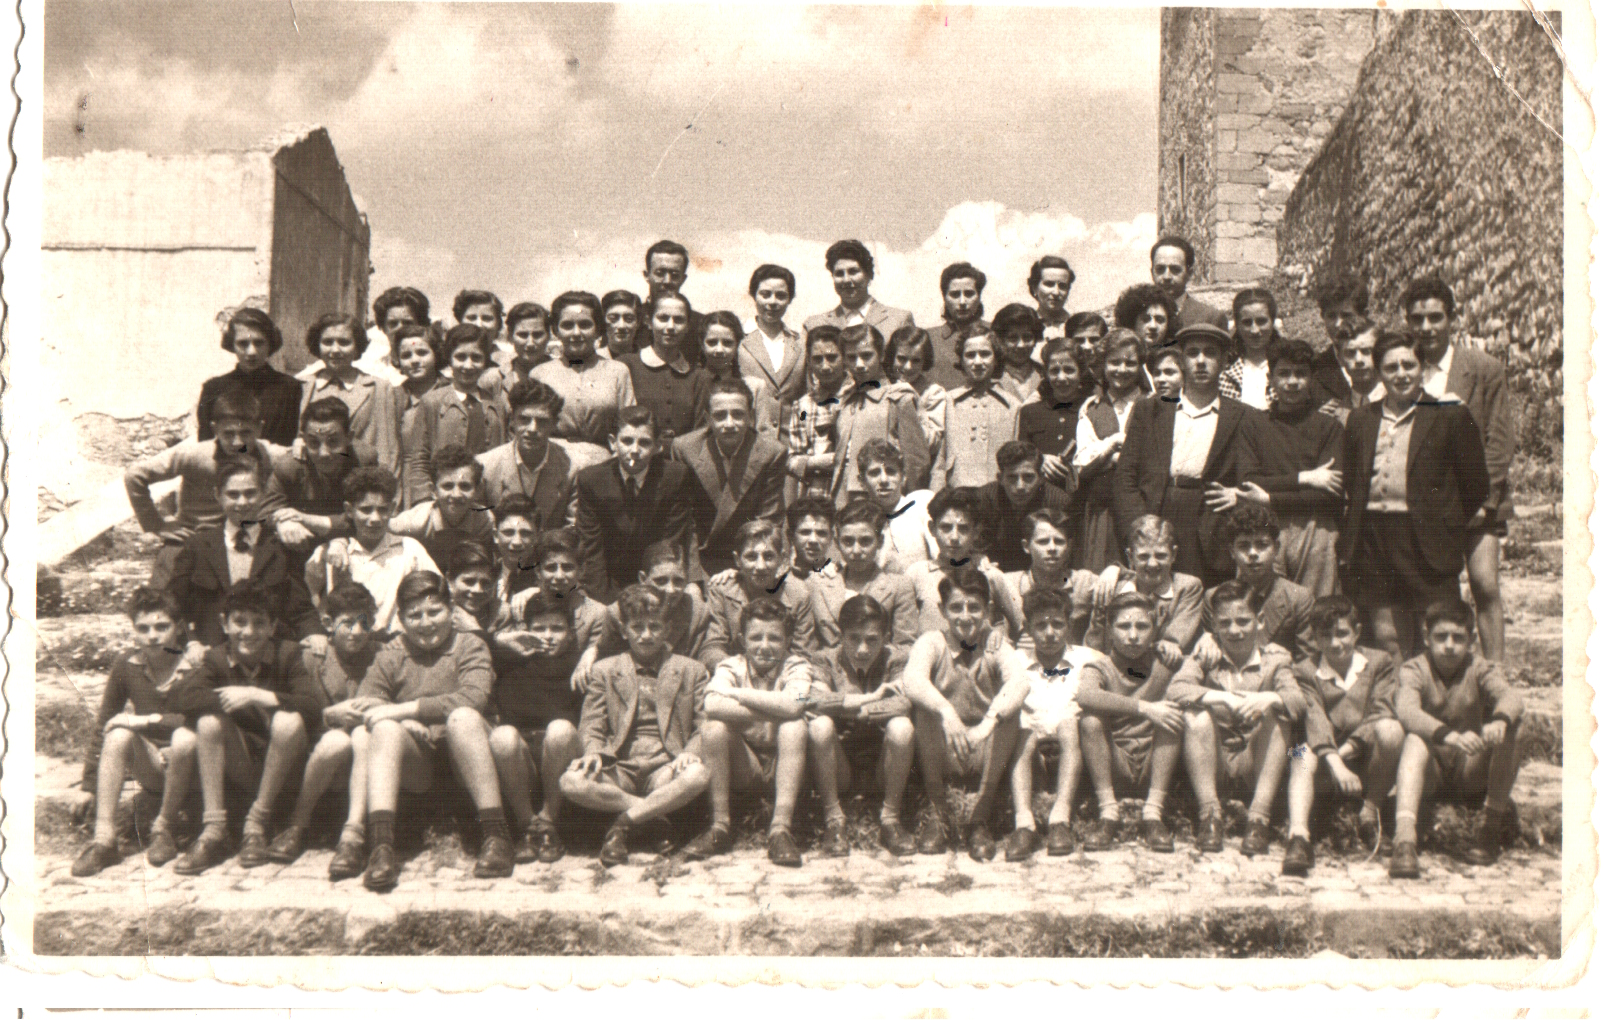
point(1458, 372)
point(1416, 483)
point(1172, 260)
point(628, 502)
point(1184, 459)
point(741, 474)
point(852, 270)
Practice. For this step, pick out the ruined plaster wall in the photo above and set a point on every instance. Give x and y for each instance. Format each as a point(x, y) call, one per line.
point(1186, 133)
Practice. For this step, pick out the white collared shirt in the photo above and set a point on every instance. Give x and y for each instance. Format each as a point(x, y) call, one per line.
point(1434, 378)
point(1256, 384)
point(239, 563)
point(775, 347)
point(1357, 666)
point(1194, 434)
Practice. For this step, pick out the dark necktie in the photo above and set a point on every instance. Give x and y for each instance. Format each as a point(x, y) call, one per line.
point(476, 425)
point(242, 541)
point(631, 489)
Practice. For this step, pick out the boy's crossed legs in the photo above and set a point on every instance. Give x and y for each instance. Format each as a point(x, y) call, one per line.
point(616, 789)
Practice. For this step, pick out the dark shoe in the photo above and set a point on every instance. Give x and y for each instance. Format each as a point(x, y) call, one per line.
point(659, 836)
point(1102, 837)
point(384, 868)
point(1488, 842)
point(1257, 841)
point(548, 845)
point(1020, 844)
point(162, 849)
point(350, 860)
point(1060, 839)
point(1299, 858)
point(97, 857)
point(931, 835)
point(615, 846)
point(253, 850)
point(495, 858)
point(715, 841)
point(897, 840)
point(1369, 831)
point(982, 847)
point(202, 854)
point(287, 846)
point(1157, 836)
point(1211, 834)
point(1405, 861)
point(526, 851)
point(835, 841)
point(783, 850)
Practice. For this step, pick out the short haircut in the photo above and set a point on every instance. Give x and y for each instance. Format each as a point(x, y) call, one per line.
point(636, 416)
point(534, 393)
point(1062, 345)
point(1291, 352)
point(1017, 316)
point(863, 611)
point(545, 604)
point(470, 555)
point(153, 600)
point(670, 248)
point(420, 585)
point(326, 322)
point(1449, 610)
point(1016, 452)
point(248, 597)
point(962, 271)
point(1174, 241)
point(428, 334)
point(854, 250)
point(1133, 301)
point(229, 467)
point(822, 335)
point(1328, 610)
point(640, 602)
point(1043, 264)
point(1158, 355)
point(1333, 292)
point(989, 339)
point(253, 318)
point(1150, 529)
point(1116, 340)
point(1132, 599)
point(767, 609)
point(1250, 519)
point(728, 320)
point(517, 505)
point(1041, 600)
point(732, 386)
point(809, 506)
point(464, 335)
point(755, 532)
point(557, 540)
point(769, 271)
point(237, 405)
point(1424, 289)
point(369, 480)
point(916, 342)
point(966, 579)
point(880, 451)
point(327, 410)
point(1085, 320)
point(410, 297)
point(1049, 515)
point(1229, 592)
point(349, 597)
point(466, 299)
point(664, 551)
point(852, 336)
point(572, 298)
point(862, 510)
point(965, 500)
point(526, 310)
point(1387, 340)
point(454, 457)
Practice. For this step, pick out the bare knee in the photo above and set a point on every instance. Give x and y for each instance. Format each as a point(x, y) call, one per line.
point(563, 736)
point(465, 718)
point(288, 726)
point(572, 784)
point(899, 732)
point(1091, 727)
point(1199, 723)
point(821, 729)
point(505, 741)
point(1389, 734)
point(117, 742)
point(209, 728)
point(715, 732)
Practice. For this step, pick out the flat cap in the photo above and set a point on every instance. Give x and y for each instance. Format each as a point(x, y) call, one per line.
point(1202, 331)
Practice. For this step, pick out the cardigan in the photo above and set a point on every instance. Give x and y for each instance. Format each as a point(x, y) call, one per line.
point(592, 397)
point(979, 423)
point(1431, 706)
point(278, 394)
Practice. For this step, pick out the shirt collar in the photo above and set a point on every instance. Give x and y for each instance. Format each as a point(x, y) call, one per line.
point(1192, 410)
point(252, 530)
point(639, 480)
point(1356, 667)
point(1446, 362)
point(1254, 662)
point(1129, 584)
point(1398, 419)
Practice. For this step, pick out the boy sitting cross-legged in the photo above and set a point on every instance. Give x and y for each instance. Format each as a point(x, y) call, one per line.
point(755, 732)
point(456, 512)
point(337, 664)
point(372, 556)
point(1462, 717)
point(1239, 715)
point(152, 743)
point(642, 712)
point(1130, 733)
point(251, 704)
point(966, 709)
point(1050, 712)
point(1254, 538)
point(1349, 693)
point(759, 551)
point(858, 530)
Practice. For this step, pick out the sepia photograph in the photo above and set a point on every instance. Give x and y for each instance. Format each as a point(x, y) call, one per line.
point(672, 480)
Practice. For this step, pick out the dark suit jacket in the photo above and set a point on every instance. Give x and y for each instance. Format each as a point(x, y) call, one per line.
point(751, 485)
point(1446, 480)
point(612, 701)
point(200, 580)
point(279, 394)
point(1477, 379)
point(614, 531)
point(1329, 382)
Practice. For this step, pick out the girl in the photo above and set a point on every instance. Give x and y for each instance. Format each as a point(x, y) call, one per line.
point(1019, 333)
point(529, 333)
point(479, 308)
point(772, 351)
point(461, 414)
point(1099, 436)
point(376, 410)
point(1049, 283)
point(621, 314)
point(252, 338)
point(594, 389)
point(982, 417)
point(1148, 310)
point(807, 426)
point(1047, 418)
point(724, 356)
point(910, 354)
point(664, 378)
point(1248, 378)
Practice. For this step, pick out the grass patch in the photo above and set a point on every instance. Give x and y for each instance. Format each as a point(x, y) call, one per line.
point(61, 729)
point(464, 933)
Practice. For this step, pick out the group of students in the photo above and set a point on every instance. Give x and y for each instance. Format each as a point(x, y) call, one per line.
point(794, 554)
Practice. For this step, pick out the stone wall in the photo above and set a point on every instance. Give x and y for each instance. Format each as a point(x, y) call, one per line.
point(1186, 134)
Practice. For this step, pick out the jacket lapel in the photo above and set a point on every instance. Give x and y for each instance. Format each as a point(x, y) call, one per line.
point(1425, 420)
point(1163, 434)
point(628, 693)
point(1229, 418)
point(758, 354)
point(215, 554)
point(667, 692)
point(1368, 430)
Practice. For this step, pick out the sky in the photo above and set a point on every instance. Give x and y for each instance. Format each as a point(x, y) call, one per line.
point(535, 148)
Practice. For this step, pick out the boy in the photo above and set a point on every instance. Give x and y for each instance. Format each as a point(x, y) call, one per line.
point(1345, 313)
point(475, 609)
point(1284, 608)
point(955, 518)
point(152, 743)
point(455, 514)
point(874, 408)
point(759, 550)
point(372, 556)
point(1130, 732)
point(741, 474)
point(336, 665)
point(966, 709)
point(1239, 714)
point(755, 733)
point(629, 502)
point(642, 711)
point(304, 498)
point(908, 538)
point(241, 548)
point(667, 573)
point(536, 736)
point(557, 571)
point(1462, 717)
point(1177, 598)
point(517, 530)
point(251, 704)
point(530, 463)
point(810, 524)
point(1050, 712)
point(858, 531)
point(1020, 488)
point(1047, 540)
point(237, 421)
point(1348, 694)
point(457, 415)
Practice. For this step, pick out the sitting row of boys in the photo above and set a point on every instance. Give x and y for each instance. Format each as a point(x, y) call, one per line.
point(639, 707)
